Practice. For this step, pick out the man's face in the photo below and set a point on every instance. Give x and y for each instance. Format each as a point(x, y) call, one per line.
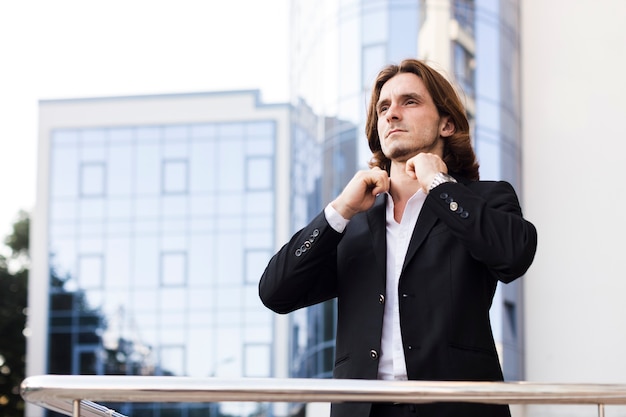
point(408, 121)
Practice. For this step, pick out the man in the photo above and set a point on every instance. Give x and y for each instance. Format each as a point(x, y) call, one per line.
point(412, 248)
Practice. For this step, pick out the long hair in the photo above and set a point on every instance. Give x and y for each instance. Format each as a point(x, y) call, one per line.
point(458, 153)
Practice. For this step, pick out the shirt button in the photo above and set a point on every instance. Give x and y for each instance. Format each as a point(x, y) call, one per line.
point(454, 206)
point(381, 298)
point(443, 196)
point(464, 215)
point(373, 354)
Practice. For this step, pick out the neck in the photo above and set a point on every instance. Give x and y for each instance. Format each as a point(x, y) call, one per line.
point(401, 189)
point(402, 186)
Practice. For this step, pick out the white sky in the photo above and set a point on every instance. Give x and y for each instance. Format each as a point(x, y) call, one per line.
point(77, 48)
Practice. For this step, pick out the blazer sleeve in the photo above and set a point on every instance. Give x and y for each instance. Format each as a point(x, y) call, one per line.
point(304, 270)
point(487, 219)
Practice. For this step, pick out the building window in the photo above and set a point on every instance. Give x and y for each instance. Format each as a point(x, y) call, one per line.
point(464, 68)
point(175, 176)
point(86, 360)
point(464, 11)
point(256, 260)
point(173, 269)
point(90, 271)
point(172, 360)
point(259, 173)
point(511, 316)
point(374, 57)
point(256, 360)
point(92, 179)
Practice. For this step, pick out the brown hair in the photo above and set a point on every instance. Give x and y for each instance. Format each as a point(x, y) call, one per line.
point(458, 153)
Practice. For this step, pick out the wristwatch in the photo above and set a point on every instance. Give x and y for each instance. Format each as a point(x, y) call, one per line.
point(439, 179)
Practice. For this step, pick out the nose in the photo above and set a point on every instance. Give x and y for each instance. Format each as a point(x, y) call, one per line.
point(393, 112)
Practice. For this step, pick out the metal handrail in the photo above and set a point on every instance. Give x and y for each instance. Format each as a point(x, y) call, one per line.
point(74, 394)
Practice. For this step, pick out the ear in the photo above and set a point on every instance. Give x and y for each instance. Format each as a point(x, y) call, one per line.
point(446, 127)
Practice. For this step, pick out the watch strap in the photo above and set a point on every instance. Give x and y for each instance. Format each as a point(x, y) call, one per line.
point(439, 179)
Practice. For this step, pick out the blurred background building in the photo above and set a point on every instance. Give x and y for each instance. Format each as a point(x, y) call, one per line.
point(156, 214)
point(338, 47)
point(156, 217)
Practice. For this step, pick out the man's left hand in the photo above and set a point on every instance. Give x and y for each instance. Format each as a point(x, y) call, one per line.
point(423, 167)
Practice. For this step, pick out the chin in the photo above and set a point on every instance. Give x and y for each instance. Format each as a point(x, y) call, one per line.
point(399, 154)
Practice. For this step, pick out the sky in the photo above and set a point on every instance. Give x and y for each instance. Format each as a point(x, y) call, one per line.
point(75, 49)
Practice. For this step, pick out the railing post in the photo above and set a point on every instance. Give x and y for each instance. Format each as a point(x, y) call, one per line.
point(76, 408)
point(600, 410)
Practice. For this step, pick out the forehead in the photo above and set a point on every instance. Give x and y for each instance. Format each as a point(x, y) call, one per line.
point(402, 84)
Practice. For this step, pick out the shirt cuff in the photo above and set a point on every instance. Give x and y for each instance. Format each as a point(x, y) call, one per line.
point(334, 219)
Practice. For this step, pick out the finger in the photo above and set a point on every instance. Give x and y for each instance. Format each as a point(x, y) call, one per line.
point(379, 189)
point(380, 183)
point(410, 169)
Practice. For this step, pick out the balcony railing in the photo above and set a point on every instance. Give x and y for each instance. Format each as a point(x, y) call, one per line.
point(77, 395)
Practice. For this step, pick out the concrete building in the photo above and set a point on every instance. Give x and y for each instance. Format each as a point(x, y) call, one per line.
point(574, 87)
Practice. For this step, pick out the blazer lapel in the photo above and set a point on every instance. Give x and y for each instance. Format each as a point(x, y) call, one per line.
point(425, 222)
point(378, 230)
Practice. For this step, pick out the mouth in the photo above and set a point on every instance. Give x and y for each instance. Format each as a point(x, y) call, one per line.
point(392, 131)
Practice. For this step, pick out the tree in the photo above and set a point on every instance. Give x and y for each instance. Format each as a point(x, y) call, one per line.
point(13, 297)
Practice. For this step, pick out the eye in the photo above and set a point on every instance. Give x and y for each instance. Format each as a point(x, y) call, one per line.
point(382, 109)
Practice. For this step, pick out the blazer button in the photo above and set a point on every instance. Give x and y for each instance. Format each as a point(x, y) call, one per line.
point(381, 298)
point(373, 354)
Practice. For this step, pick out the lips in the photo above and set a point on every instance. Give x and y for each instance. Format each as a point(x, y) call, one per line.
point(392, 131)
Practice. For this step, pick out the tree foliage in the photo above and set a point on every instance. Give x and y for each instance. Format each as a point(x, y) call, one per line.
point(13, 297)
point(18, 241)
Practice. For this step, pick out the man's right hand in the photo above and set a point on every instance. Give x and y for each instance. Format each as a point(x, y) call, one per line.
point(360, 193)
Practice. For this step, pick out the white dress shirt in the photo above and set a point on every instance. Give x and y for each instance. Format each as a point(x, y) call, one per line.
point(392, 364)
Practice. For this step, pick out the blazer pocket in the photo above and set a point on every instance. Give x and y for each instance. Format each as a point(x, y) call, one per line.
point(340, 361)
point(474, 349)
point(342, 370)
point(473, 363)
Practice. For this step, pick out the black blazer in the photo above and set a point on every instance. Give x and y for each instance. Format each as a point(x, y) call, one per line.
point(469, 235)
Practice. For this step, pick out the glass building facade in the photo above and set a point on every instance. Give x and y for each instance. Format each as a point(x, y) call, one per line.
point(338, 47)
point(497, 141)
point(156, 256)
point(157, 236)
